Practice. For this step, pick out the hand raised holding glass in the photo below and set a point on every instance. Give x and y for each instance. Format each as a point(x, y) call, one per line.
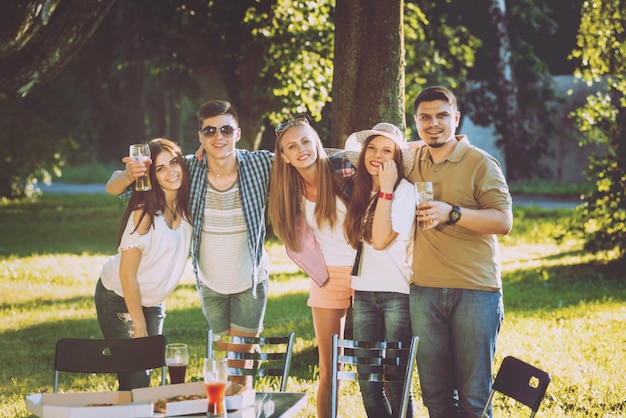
point(140, 154)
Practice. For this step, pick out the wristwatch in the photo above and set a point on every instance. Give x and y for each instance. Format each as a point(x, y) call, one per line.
point(455, 215)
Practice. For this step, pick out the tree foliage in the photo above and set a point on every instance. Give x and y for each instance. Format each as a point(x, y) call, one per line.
point(601, 50)
point(149, 65)
point(40, 37)
point(37, 40)
point(530, 23)
point(439, 49)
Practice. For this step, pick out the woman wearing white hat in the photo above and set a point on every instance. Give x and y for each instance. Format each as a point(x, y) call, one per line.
point(379, 222)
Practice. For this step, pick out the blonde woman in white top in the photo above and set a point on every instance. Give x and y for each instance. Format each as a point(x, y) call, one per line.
point(153, 248)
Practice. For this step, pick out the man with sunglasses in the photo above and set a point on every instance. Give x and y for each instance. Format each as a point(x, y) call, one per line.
point(228, 196)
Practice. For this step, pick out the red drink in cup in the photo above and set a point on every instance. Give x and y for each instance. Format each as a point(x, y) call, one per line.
point(215, 395)
point(215, 377)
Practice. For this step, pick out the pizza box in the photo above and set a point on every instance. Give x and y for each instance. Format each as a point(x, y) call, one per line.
point(76, 405)
point(236, 399)
point(165, 396)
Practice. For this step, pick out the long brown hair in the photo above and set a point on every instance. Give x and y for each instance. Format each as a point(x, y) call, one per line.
point(360, 214)
point(287, 189)
point(153, 201)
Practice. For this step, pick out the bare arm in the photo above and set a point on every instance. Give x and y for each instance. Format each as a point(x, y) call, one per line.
point(382, 233)
point(121, 179)
point(482, 221)
point(129, 264)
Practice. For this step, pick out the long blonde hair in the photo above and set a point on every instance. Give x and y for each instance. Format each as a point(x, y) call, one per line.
point(287, 188)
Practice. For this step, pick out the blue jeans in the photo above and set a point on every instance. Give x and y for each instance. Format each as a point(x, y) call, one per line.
point(115, 323)
point(381, 316)
point(458, 329)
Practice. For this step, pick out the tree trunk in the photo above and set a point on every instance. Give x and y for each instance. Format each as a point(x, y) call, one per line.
point(368, 78)
point(507, 122)
point(39, 38)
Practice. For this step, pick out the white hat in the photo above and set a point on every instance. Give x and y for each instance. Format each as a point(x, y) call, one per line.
point(355, 142)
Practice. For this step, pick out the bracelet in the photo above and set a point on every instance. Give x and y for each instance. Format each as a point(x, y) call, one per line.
point(386, 196)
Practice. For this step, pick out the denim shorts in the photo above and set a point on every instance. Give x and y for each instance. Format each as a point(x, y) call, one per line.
point(241, 311)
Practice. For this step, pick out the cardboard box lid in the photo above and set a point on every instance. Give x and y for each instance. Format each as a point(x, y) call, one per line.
point(241, 399)
point(174, 408)
point(74, 405)
point(151, 394)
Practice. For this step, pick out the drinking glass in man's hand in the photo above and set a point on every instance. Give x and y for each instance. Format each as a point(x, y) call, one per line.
point(424, 193)
point(141, 153)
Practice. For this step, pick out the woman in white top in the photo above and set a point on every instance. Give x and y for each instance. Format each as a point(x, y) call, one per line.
point(308, 196)
point(153, 248)
point(380, 222)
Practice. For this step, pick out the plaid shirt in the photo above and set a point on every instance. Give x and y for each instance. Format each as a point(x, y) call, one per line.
point(253, 175)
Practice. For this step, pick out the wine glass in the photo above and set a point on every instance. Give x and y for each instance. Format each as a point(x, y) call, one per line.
point(141, 153)
point(177, 359)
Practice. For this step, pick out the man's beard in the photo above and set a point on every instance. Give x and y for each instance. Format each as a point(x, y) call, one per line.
point(436, 144)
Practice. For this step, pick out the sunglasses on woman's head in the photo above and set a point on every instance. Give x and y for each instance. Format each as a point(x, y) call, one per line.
point(227, 131)
point(301, 117)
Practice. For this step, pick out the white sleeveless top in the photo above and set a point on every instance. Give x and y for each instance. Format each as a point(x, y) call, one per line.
point(332, 242)
point(164, 254)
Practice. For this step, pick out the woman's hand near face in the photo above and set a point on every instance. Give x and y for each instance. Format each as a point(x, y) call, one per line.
point(387, 176)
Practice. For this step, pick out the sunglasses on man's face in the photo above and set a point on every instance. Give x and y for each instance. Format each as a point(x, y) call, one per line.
point(227, 131)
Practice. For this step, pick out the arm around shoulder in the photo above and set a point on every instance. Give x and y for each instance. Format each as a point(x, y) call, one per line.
point(118, 183)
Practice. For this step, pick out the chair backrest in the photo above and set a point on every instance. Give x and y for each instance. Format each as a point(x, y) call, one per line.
point(78, 355)
point(520, 381)
point(271, 355)
point(373, 361)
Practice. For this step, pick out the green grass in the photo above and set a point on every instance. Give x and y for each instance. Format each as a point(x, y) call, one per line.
point(565, 309)
point(88, 173)
point(549, 188)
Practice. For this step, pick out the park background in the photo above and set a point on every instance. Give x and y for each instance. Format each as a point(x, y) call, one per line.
point(540, 83)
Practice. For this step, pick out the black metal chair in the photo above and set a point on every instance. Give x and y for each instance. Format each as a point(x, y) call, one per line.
point(521, 381)
point(77, 355)
point(378, 361)
point(271, 356)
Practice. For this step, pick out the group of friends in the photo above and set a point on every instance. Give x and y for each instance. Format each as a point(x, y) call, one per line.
point(347, 218)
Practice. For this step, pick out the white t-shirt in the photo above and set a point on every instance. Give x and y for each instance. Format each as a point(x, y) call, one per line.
point(332, 242)
point(224, 243)
point(389, 270)
point(164, 254)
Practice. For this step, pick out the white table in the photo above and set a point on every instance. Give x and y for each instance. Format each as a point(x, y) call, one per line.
point(271, 405)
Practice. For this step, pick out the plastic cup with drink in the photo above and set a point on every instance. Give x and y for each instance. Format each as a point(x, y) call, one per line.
point(215, 378)
point(424, 193)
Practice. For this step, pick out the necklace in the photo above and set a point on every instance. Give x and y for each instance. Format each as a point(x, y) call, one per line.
point(174, 215)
